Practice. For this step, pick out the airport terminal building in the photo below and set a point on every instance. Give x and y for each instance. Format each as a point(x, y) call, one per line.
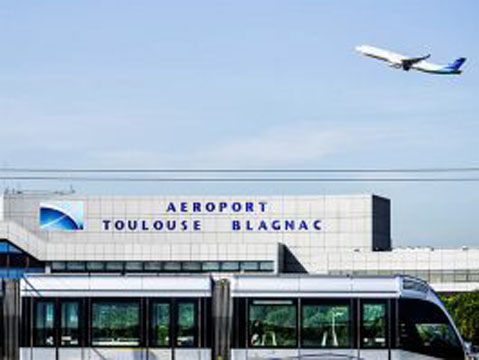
point(217, 277)
point(329, 235)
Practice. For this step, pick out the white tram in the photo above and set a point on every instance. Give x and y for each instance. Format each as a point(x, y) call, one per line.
point(313, 317)
point(244, 317)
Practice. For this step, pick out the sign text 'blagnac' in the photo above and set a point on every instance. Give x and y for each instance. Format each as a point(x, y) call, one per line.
point(180, 217)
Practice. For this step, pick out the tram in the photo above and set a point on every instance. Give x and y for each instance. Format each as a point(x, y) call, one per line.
point(242, 317)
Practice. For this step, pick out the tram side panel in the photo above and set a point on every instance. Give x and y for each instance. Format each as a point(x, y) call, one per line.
point(116, 328)
point(370, 329)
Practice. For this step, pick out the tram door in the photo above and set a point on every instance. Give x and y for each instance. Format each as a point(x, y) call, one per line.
point(326, 328)
point(374, 329)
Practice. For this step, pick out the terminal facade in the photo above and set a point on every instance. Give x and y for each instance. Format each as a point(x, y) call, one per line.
point(328, 235)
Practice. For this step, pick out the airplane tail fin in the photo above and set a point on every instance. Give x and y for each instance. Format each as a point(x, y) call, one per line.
point(456, 64)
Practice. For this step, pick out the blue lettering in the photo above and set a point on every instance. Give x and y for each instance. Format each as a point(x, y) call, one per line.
point(158, 225)
point(171, 207)
point(106, 225)
point(184, 225)
point(171, 224)
point(132, 224)
point(303, 225)
point(235, 225)
point(236, 207)
point(262, 205)
point(196, 207)
point(317, 224)
point(119, 225)
point(144, 226)
point(275, 225)
point(249, 207)
point(197, 225)
point(263, 226)
point(248, 226)
point(289, 225)
point(210, 206)
point(184, 207)
point(223, 205)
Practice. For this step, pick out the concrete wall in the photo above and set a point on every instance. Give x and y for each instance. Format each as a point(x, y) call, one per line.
point(344, 222)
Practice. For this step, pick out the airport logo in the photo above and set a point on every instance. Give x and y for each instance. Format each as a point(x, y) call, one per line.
point(61, 215)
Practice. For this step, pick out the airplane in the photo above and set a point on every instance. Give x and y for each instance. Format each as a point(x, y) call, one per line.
point(399, 61)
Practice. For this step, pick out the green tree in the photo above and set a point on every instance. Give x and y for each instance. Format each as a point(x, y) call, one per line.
point(464, 308)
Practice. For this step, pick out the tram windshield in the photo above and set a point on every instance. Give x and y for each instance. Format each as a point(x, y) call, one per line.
point(424, 328)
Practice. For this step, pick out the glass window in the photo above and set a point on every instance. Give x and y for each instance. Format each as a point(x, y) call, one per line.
point(230, 266)
point(373, 330)
point(191, 266)
point(95, 266)
point(424, 328)
point(250, 266)
point(58, 265)
point(266, 266)
point(186, 324)
point(272, 323)
point(75, 266)
point(172, 266)
point(211, 266)
point(116, 266)
point(160, 324)
point(44, 323)
point(134, 266)
point(116, 323)
point(3, 247)
point(473, 275)
point(448, 276)
point(153, 266)
point(326, 325)
point(460, 275)
point(70, 323)
point(435, 276)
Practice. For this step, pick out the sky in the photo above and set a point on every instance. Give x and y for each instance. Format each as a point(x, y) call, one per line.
point(246, 84)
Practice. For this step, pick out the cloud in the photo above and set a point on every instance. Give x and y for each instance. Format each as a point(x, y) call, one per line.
point(291, 145)
point(299, 144)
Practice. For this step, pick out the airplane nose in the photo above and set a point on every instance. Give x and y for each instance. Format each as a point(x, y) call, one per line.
point(359, 48)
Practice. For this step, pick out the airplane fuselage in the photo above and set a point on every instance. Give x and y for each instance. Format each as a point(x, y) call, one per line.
point(396, 60)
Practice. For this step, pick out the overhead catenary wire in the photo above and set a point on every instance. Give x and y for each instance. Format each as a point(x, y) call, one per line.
point(235, 179)
point(238, 170)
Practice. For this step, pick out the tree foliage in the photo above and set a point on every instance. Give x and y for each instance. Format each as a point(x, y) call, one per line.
point(464, 308)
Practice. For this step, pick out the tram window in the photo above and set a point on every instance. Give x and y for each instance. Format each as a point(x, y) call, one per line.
point(160, 324)
point(70, 323)
point(44, 323)
point(373, 331)
point(424, 328)
point(116, 323)
point(326, 325)
point(272, 323)
point(187, 334)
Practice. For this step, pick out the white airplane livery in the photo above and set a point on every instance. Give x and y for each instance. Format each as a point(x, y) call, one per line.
point(406, 63)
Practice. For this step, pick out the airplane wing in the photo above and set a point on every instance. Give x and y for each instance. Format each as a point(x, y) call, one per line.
point(408, 62)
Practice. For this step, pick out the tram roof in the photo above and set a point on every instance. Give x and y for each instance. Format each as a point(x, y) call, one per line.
point(110, 285)
point(329, 286)
point(182, 285)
